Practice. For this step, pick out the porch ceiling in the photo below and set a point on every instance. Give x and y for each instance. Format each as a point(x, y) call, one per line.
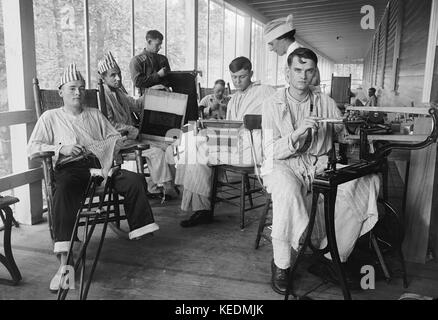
point(331, 26)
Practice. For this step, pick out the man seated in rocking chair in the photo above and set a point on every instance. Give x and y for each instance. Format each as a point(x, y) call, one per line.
point(119, 107)
point(82, 138)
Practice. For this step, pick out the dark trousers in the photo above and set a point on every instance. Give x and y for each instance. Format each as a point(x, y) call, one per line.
point(71, 183)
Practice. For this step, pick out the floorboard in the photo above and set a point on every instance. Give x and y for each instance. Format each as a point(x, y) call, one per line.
point(209, 262)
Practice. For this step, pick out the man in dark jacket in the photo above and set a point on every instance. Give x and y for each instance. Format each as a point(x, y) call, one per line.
point(149, 68)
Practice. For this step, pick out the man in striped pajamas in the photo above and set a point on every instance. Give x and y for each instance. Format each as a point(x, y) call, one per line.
point(119, 108)
point(77, 135)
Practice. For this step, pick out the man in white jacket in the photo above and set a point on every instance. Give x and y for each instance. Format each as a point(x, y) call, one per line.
point(196, 177)
point(296, 147)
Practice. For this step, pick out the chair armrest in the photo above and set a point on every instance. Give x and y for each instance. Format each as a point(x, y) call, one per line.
point(42, 155)
point(140, 147)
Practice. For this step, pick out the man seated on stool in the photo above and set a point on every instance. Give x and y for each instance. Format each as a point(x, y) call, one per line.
point(74, 130)
point(294, 155)
point(215, 104)
point(119, 107)
point(196, 177)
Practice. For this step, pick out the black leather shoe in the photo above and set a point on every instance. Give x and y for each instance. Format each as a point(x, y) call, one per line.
point(199, 217)
point(279, 278)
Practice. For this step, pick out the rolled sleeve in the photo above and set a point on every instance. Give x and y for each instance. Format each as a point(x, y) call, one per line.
point(293, 147)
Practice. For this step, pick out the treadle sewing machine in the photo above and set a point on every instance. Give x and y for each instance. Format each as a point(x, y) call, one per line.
point(369, 163)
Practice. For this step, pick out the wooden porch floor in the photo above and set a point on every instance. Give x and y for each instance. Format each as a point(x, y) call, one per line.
point(209, 262)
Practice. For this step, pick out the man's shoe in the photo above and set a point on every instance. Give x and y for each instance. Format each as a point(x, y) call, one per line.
point(154, 196)
point(55, 283)
point(199, 217)
point(145, 236)
point(279, 278)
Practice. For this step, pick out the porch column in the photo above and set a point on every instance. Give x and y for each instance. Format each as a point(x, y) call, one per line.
point(21, 68)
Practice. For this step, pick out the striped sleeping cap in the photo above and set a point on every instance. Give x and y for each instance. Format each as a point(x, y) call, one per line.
point(107, 63)
point(70, 74)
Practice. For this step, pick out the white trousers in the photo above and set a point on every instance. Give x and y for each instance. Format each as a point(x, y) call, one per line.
point(159, 170)
point(355, 212)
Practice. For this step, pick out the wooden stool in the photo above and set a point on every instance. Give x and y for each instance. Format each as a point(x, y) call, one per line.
point(8, 260)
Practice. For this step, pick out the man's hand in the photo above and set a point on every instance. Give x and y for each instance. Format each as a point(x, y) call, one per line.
point(308, 123)
point(159, 87)
point(215, 106)
point(72, 150)
point(162, 73)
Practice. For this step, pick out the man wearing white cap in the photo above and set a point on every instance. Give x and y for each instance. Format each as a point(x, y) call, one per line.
point(119, 108)
point(280, 37)
point(82, 138)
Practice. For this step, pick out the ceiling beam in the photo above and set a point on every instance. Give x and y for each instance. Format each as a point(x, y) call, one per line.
point(243, 6)
point(257, 4)
point(320, 22)
point(335, 4)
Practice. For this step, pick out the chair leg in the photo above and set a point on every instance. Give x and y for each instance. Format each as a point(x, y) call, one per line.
point(8, 259)
point(329, 208)
point(405, 191)
point(248, 188)
point(262, 222)
point(214, 184)
point(385, 180)
point(380, 257)
point(403, 265)
point(117, 210)
point(83, 259)
point(242, 203)
point(398, 245)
